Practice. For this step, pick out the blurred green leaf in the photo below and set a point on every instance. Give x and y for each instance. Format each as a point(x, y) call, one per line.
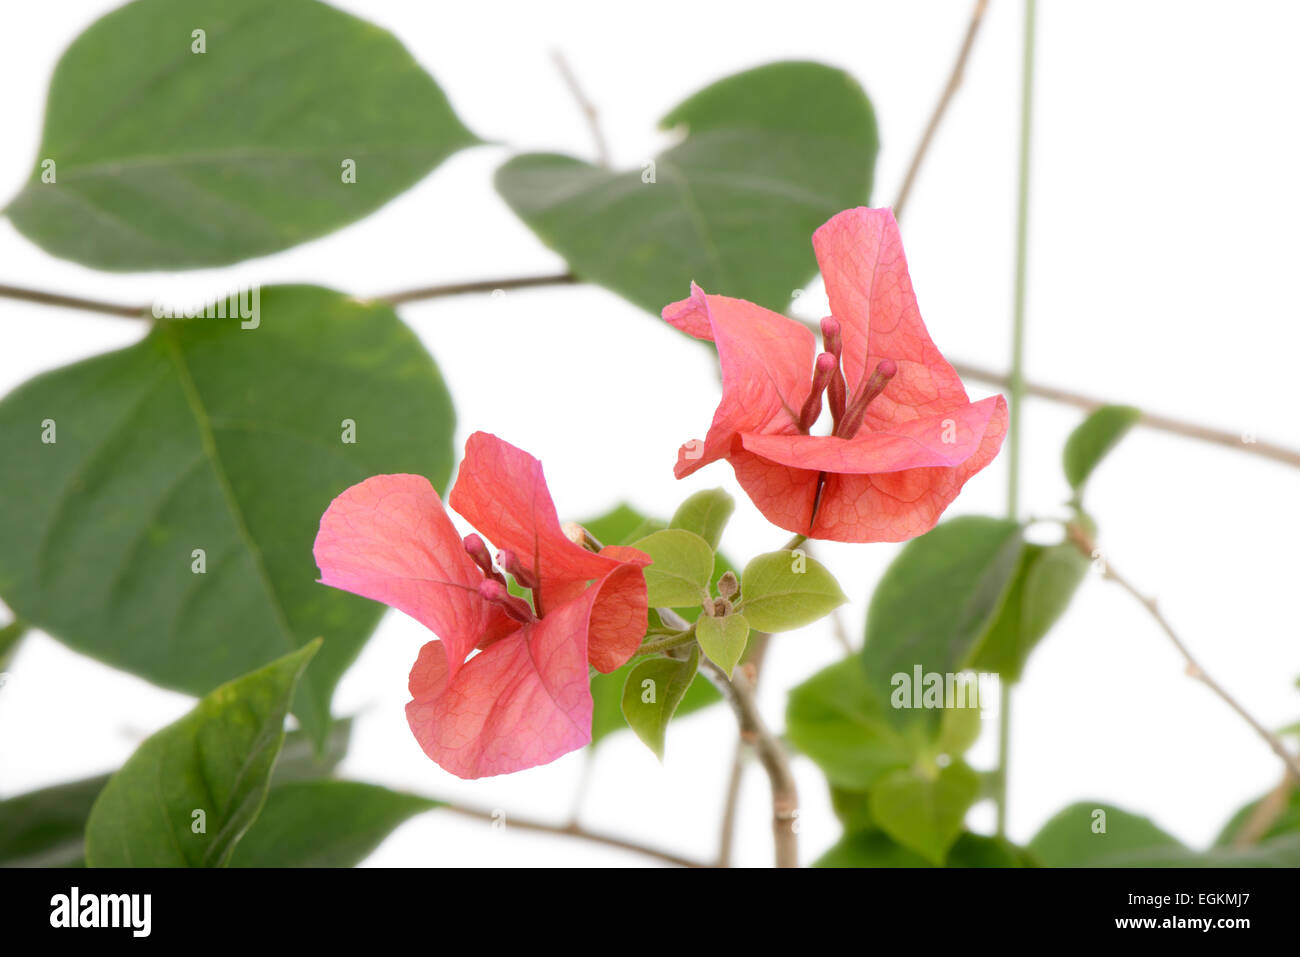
point(936, 601)
point(190, 791)
point(768, 156)
point(1040, 591)
point(785, 590)
point(1286, 821)
point(654, 689)
point(706, 514)
point(47, 828)
point(683, 566)
point(1075, 837)
point(837, 720)
point(180, 159)
point(723, 640)
point(1093, 440)
point(324, 823)
point(208, 436)
point(925, 812)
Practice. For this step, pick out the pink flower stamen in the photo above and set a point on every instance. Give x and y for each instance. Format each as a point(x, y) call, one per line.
point(477, 551)
point(508, 560)
point(826, 367)
point(515, 607)
point(848, 426)
point(837, 391)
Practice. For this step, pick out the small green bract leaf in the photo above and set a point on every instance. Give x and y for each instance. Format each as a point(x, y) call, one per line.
point(723, 639)
point(1091, 441)
point(781, 591)
point(706, 514)
point(682, 569)
point(190, 791)
point(654, 689)
point(293, 119)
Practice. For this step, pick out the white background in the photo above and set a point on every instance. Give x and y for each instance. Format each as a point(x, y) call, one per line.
point(1162, 273)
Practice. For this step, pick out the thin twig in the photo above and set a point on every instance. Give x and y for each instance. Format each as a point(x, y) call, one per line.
point(1266, 813)
point(1085, 544)
point(588, 108)
point(73, 302)
point(478, 285)
point(731, 805)
point(1161, 423)
point(572, 830)
point(954, 81)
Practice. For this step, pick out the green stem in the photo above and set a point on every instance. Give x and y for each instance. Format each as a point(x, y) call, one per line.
point(1017, 384)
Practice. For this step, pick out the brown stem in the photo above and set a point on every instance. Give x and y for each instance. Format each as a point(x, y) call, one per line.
point(572, 830)
point(731, 805)
point(74, 302)
point(1194, 669)
point(739, 692)
point(954, 81)
point(1270, 807)
point(478, 285)
point(1161, 423)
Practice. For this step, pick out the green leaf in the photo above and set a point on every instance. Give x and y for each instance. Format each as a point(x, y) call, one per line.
point(178, 159)
point(1045, 581)
point(980, 850)
point(768, 156)
point(723, 639)
point(706, 514)
point(1093, 440)
point(654, 689)
point(1286, 821)
point(209, 436)
point(936, 601)
point(607, 701)
point(1093, 834)
point(623, 525)
point(47, 828)
point(782, 591)
point(925, 813)
point(840, 723)
point(683, 566)
point(870, 848)
point(190, 791)
point(324, 824)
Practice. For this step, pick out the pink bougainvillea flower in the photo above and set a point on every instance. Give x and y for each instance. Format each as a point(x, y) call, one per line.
point(506, 685)
point(904, 436)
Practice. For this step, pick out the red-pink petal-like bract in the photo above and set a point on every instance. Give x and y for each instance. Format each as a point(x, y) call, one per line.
point(493, 693)
point(885, 475)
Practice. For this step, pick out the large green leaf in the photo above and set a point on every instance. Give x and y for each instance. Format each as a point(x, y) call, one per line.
point(324, 824)
point(768, 156)
point(211, 436)
point(1285, 820)
point(165, 158)
point(47, 828)
point(1093, 439)
point(1044, 583)
point(936, 601)
point(837, 720)
point(190, 791)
